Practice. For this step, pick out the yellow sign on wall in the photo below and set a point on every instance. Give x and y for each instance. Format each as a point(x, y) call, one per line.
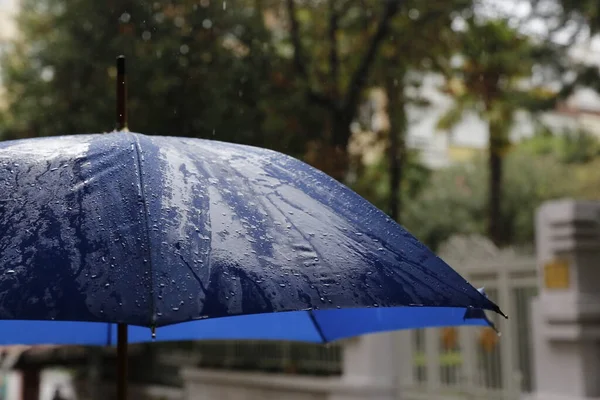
point(556, 274)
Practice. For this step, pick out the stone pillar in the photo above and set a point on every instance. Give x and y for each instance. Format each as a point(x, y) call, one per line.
point(370, 368)
point(566, 314)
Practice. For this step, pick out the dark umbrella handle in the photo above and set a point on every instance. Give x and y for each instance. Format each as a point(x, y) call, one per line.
point(122, 361)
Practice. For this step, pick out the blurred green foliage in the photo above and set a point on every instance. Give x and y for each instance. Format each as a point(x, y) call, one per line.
point(543, 168)
point(495, 60)
point(194, 69)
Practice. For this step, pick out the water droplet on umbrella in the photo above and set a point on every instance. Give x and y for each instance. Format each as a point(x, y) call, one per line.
point(282, 284)
point(10, 271)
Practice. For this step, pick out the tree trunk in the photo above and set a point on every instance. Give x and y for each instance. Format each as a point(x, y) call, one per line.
point(397, 144)
point(496, 148)
point(340, 137)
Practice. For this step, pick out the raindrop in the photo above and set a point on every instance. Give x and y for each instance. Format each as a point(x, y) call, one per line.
point(94, 276)
point(207, 24)
point(322, 299)
point(125, 17)
point(175, 308)
point(224, 5)
point(107, 285)
point(375, 305)
point(282, 284)
point(146, 35)
point(47, 75)
point(10, 271)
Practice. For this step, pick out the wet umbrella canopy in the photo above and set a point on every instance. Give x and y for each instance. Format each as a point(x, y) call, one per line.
point(150, 231)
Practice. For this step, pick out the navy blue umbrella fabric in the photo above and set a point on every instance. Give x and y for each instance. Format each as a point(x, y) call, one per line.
point(153, 231)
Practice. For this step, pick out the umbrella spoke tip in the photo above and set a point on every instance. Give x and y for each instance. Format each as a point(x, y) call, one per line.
point(499, 311)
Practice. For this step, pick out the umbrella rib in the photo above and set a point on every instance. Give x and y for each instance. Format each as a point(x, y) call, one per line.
point(311, 314)
point(136, 144)
point(194, 274)
point(109, 335)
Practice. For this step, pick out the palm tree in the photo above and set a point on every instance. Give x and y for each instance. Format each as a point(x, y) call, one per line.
point(492, 76)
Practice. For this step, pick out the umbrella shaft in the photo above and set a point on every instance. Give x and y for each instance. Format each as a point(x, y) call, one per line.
point(122, 362)
point(121, 94)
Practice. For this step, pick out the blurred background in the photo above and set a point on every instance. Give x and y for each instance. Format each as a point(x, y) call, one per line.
point(458, 118)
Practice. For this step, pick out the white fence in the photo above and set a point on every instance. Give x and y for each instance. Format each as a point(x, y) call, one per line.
point(475, 362)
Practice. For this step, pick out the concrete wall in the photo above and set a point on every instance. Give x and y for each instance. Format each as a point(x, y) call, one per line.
point(229, 385)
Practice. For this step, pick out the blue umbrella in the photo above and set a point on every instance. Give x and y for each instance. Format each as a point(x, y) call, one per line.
point(153, 231)
point(237, 241)
point(316, 326)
